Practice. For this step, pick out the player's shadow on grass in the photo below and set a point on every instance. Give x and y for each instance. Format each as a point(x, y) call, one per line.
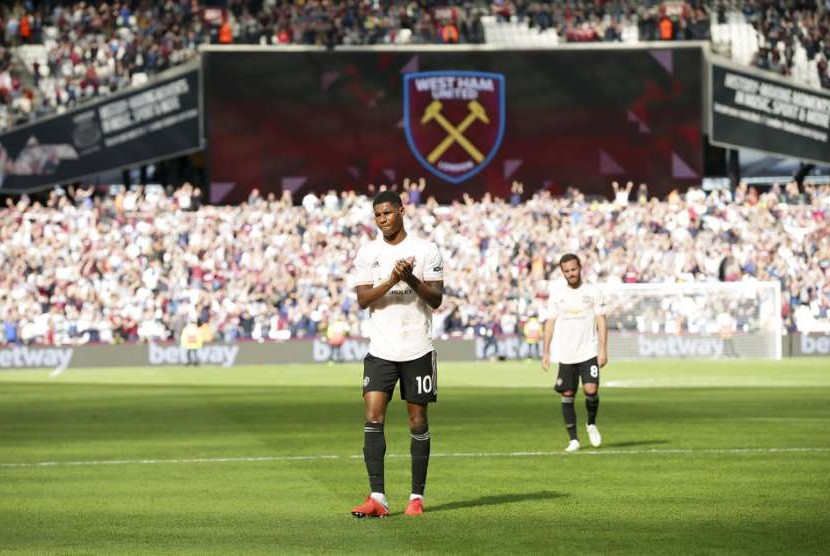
point(496, 500)
point(632, 443)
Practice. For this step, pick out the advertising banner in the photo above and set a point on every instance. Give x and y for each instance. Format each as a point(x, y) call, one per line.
point(812, 345)
point(316, 350)
point(620, 345)
point(149, 123)
point(752, 110)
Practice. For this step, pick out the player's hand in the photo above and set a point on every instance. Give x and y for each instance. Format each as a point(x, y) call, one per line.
point(395, 276)
point(404, 268)
point(545, 362)
point(602, 359)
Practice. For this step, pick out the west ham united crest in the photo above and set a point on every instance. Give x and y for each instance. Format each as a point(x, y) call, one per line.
point(454, 120)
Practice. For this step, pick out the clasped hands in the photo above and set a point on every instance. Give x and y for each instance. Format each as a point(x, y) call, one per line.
point(403, 271)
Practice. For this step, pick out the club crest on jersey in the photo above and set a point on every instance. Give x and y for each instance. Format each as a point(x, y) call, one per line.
point(454, 120)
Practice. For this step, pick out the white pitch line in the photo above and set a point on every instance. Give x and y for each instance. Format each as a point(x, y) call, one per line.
point(254, 459)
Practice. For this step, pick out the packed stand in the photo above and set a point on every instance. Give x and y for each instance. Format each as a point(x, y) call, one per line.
point(96, 48)
point(605, 21)
point(784, 33)
point(93, 48)
point(784, 27)
point(139, 265)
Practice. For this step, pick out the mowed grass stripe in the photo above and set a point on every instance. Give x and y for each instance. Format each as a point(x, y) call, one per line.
point(582, 453)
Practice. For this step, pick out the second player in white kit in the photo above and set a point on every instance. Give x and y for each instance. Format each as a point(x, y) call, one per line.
point(576, 335)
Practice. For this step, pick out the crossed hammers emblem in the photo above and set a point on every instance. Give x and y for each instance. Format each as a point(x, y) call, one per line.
point(455, 134)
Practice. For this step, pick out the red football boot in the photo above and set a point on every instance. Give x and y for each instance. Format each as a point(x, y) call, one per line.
point(370, 508)
point(415, 507)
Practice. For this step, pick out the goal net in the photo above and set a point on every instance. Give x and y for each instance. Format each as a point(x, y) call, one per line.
point(694, 320)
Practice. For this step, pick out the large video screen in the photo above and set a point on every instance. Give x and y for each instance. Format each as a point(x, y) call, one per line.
point(467, 120)
point(751, 110)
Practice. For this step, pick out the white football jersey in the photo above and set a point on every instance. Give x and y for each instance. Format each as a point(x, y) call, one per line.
point(575, 337)
point(401, 322)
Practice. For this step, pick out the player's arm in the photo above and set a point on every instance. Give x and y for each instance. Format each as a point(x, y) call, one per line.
point(602, 333)
point(431, 288)
point(431, 292)
point(546, 343)
point(368, 293)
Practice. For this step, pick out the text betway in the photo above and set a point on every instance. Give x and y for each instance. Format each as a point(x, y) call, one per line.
point(224, 355)
point(351, 350)
point(815, 344)
point(679, 347)
point(507, 347)
point(28, 358)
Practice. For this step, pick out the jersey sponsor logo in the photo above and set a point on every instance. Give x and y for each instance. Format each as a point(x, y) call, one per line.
point(400, 292)
point(454, 120)
point(438, 269)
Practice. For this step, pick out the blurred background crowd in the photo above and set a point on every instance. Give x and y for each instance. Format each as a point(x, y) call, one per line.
point(139, 264)
point(55, 54)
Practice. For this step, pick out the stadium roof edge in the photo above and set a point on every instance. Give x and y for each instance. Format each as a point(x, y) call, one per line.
point(457, 48)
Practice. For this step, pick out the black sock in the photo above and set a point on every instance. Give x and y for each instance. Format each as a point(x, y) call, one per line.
point(592, 405)
point(569, 413)
point(419, 450)
point(374, 450)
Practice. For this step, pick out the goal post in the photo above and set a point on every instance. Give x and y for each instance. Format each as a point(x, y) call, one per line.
point(694, 320)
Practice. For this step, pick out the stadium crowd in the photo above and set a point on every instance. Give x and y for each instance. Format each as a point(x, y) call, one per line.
point(781, 26)
point(139, 264)
point(94, 48)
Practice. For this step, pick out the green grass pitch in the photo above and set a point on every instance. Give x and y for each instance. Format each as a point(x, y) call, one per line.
point(699, 457)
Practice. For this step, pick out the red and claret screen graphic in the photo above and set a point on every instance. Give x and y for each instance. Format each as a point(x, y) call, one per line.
point(469, 121)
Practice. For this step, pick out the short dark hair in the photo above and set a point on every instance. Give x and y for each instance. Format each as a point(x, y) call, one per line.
point(387, 196)
point(569, 257)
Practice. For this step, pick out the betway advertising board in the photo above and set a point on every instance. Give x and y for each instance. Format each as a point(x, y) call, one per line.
point(621, 346)
point(642, 346)
point(812, 345)
point(58, 359)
